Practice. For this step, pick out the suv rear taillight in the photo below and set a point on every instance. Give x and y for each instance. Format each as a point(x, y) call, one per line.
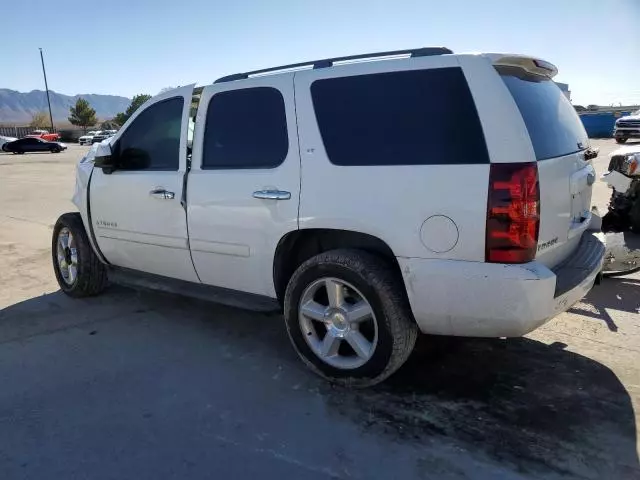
point(513, 213)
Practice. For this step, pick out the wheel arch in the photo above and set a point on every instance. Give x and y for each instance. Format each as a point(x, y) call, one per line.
point(297, 246)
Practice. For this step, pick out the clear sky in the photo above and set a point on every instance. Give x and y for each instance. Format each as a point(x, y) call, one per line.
point(125, 47)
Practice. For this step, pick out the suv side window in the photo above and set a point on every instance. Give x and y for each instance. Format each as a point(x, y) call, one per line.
point(152, 140)
point(416, 117)
point(245, 128)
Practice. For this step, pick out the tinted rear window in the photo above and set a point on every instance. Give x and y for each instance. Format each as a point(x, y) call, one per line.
point(246, 128)
point(553, 124)
point(418, 117)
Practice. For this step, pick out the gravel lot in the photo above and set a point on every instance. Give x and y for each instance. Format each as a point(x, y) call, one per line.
point(141, 385)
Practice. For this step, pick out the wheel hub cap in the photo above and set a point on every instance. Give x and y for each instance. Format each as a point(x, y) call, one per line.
point(338, 323)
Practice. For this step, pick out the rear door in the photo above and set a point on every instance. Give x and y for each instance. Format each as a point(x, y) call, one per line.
point(559, 140)
point(244, 185)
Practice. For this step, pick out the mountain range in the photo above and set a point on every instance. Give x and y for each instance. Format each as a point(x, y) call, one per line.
point(18, 107)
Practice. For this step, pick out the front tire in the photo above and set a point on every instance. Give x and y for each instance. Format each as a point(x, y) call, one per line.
point(78, 270)
point(621, 140)
point(348, 317)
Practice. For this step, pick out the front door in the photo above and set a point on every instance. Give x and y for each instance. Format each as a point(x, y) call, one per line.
point(136, 210)
point(245, 182)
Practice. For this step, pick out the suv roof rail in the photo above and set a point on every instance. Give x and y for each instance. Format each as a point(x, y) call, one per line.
point(328, 62)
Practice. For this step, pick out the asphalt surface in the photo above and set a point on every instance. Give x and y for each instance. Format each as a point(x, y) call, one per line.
point(142, 385)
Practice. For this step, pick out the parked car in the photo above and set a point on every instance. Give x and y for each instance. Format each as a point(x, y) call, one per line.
point(627, 127)
point(4, 140)
point(33, 144)
point(366, 221)
point(103, 135)
point(45, 135)
point(87, 139)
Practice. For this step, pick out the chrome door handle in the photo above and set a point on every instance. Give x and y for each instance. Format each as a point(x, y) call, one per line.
point(162, 194)
point(272, 194)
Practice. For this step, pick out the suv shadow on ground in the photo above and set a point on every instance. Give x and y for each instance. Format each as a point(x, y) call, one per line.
point(537, 407)
point(152, 360)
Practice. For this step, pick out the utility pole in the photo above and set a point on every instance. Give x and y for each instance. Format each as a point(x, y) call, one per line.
point(44, 72)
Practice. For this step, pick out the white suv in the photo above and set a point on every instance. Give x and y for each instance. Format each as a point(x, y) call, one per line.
point(371, 197)
point(88, 137)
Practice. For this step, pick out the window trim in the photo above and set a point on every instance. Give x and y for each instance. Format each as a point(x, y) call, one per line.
point(115, 148)
point(203, 155)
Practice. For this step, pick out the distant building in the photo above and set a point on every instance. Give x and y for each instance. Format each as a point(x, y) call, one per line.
point(565, 89)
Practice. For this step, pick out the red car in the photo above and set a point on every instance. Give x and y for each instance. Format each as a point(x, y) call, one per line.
point(45, 135)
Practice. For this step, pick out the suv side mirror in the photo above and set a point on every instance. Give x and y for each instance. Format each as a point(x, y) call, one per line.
point(105, 159)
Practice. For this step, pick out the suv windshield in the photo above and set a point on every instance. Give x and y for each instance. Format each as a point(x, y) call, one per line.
point(553, 124)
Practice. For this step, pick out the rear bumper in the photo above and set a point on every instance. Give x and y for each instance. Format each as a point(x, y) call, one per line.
point(476, 299)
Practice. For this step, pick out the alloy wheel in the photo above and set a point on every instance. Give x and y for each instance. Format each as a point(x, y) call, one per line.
point(67, 256)
point(338, 323)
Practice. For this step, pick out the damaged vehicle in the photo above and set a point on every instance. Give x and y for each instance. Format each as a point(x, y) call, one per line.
point(623, 176)
point(365, 222)
point(622, 220)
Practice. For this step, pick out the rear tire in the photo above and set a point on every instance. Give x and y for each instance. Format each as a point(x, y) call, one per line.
point(621, 139)
point(78, 270)
point(363, 281)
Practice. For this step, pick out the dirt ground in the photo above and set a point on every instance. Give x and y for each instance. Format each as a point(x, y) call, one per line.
point(136, 384)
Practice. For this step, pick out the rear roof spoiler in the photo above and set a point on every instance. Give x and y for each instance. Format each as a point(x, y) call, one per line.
point(535, 66)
